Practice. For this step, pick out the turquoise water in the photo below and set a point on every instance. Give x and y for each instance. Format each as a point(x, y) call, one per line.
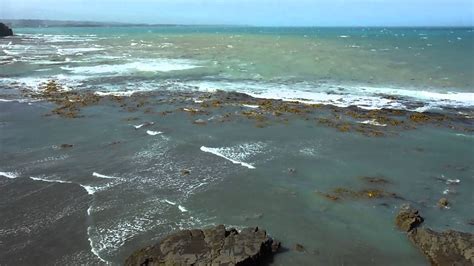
point(121, 187)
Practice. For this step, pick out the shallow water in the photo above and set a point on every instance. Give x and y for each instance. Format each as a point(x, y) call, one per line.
point(121, 187)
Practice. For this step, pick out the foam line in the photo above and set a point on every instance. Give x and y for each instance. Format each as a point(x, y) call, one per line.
point(216, 152)
point(10, 175)
point(50, 180)
point(169, 202)
point(153, 133)
point(103, 176)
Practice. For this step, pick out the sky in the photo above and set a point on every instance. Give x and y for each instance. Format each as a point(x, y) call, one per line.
point(250, 12)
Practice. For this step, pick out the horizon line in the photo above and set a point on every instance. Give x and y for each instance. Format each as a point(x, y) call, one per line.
point(141, 24)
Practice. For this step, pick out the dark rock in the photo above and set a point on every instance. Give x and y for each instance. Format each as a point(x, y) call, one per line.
point(5, 30)
point(65, 146)
point(408, 218)
point(185, 172)
point(445, 248)
point(215, 246)
point(276, 245)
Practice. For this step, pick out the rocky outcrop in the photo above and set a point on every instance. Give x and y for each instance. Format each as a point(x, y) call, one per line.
point(215, 246)
point(445, 248)
point(408, 219)
point(5, 30)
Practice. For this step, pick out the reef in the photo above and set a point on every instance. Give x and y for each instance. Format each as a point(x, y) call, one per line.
point(205, 108)
point(441, 248)
point(214, 246)
point(369, 193)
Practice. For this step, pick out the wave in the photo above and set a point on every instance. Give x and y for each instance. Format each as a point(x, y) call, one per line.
point(365, 97)
point(91, 243)
point(10, 52)
point(224, 153)
point(103, 176)
point(143, 125)
point(11, 175)
point(90, 189)
point(182, 209)
point(89, 211)
point(169, 202)
point(34, 83)
point(250, 106)
point(139, 65)
point(464, 135)
point(73, 51)
point(17, 100)
point(115, 93)
point(373, 122)
point(50, 180)
point(153, 133)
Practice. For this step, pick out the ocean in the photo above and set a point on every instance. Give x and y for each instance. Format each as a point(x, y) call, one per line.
point(134, 175)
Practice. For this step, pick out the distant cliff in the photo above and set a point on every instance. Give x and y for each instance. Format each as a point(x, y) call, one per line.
point(5, 30)
point(38, 23)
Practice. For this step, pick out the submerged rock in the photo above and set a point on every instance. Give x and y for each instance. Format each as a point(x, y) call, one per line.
point(441, 248)
point(443, 203)
point(66, 146)
point(5, 30)
point(215, 246)
point(185, 172)
point(370, 193)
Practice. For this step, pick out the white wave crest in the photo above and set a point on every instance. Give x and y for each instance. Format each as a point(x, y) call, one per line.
point(139, 65)
point(343, 95)
point(103, 176)
point(235, 154)
point(153, 133)
point(50, 180)
point(11, 175)
point(373, 122)
point(169, 202)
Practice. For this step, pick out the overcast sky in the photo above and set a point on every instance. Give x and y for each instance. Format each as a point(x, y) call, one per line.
point(251, 12)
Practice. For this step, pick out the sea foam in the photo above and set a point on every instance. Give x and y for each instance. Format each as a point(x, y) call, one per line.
point(11, 175)
point(220, 152)
point(153, 133)
point(343, 95)
point(182, 209)
point(169, 202)
point(50, 180)
point(138, 65)
point(103, 176)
